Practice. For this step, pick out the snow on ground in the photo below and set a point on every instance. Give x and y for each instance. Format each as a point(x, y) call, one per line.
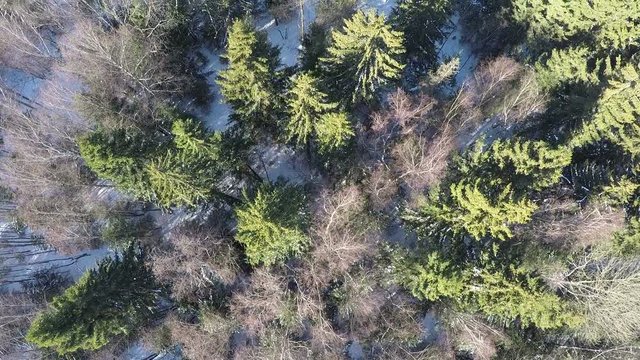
point(381, 6)
point(431, 328)
point(287, 33)
point(453, 46)
point(20, 83)
point(216, 117)
point(35, 257)
point(280, 161)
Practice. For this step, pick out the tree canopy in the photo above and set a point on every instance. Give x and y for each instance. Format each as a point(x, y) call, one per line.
point(106, 302)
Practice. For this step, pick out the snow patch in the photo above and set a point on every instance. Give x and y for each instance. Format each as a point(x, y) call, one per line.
point(34, 258)
point(280, 161)
point(430, 328)
point(384, 7)
point(287, 34)
point(22, 84)
point(453, 46)
point(216, 117)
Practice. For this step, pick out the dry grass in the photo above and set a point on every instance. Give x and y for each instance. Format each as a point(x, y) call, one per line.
point(381, 187)
point(274, 344)
point(16, 313)
point(400, 320)
point(470, 332)
point(205, 341)
point(607, 290)
point(358, 301)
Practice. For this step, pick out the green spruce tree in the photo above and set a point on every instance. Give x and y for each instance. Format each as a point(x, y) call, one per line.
point(111, 300)
point(249, 83)
point(616, 115)
point(271, 224)
point(363, 57)
point(421, 22)
point(307, 103)
point(333, 131)
point(521, 297)
point(119, 158)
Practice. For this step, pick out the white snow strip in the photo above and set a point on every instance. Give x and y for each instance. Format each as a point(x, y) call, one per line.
point(287, 33)
point(453, 46)
point(216, 117)
point(383, 7)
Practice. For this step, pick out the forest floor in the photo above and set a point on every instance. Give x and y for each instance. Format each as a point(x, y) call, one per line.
point(272, 160)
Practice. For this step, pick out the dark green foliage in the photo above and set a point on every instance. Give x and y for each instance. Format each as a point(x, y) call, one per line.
point(120, 158)
point(431, 277)
point(363, 57)
point(522, 297)
point(525, 164)
point(627, 241)
point(495, 189)
point(120, 231)
point(468, 209)
point(421, 22)
point(271, 224)
point(45, 284)
point(180, 172)
point(506, 295)
point(314, 47)
point(310, 114)
point(111, 300)
point(580, 41)
point(616, 115)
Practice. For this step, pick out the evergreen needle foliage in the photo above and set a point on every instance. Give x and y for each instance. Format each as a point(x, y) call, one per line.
point(364, 57)
point(249, 83)
point(422, 21)
point(271, 224)
point(111, 300)
point(616, 115)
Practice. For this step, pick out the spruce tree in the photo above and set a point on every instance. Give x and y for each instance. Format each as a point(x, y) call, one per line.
point(421, 22)
point(118, 157)
point(110, 300)
point(616, 115)
point(271, 224)
point(306, 106)
point(481, 214)
point(584, 36)
point(188, 172)
point(173, 182)
point(333, 131)
point(363, 57)
point(540, 163)
point(249, 83)
point(431, 277)
point(521, 297)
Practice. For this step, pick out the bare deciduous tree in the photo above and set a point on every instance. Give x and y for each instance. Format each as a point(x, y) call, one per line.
point(198, 258)
point(403, 114)
point(209, 339)
point(500, 87)
point(566, 225)
point(46, 174)
point(265, 301)
point(470, 332)
point(421, 162)
point(340, 237)
point(606, 289)
point(16, 313)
